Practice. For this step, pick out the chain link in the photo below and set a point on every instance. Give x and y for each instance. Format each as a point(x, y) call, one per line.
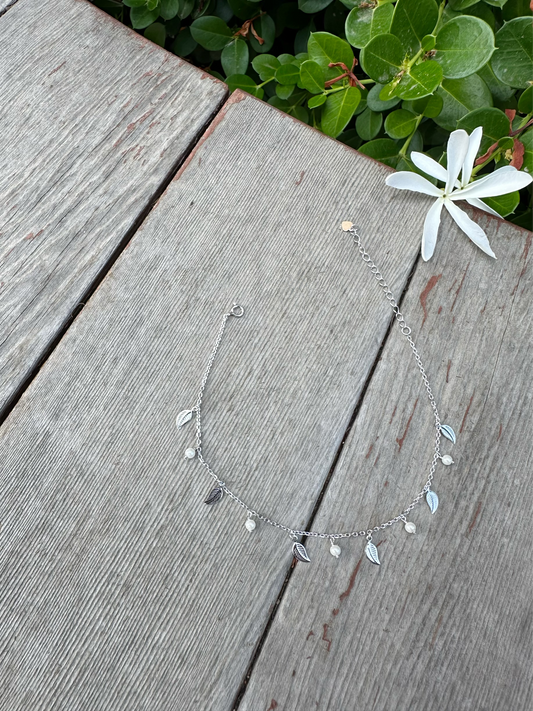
point(237, 311)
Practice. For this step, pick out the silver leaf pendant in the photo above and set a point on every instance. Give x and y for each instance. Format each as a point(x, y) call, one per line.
point(433, 500)
point(299, 552)
point(214, 496)
point(372, 553)
point(448, 432)
point(183, 417)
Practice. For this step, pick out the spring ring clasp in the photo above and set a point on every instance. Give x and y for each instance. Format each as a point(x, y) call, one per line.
point(237, 310)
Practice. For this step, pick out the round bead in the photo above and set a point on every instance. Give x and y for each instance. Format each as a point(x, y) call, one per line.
point(250, 524)
point(447, 460)
point(335, 551)
point(190, 453)
point(410, 527)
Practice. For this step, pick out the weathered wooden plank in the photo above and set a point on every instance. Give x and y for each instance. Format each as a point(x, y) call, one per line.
point(5, 5)
point(120, 588)
point(445, 622)
point(95, 119)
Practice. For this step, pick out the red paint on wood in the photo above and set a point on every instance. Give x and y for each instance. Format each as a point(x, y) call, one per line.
point(474, 517)
point(466, 413)
point(425, 293)
point(460, 286)
point(402, 439)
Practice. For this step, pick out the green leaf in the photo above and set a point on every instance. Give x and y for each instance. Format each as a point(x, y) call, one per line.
point(242, 9)
point(382, 57)
point(423, 79)
point(382, 149)
point(286, 58)
point(312, 6)
point(141, 17)
point(400, 123)
point(377, 104)
point(184, 43)
point(244, 82)
point(203, 8)
point(315, 101)
point(350, 138)
point(500, 91)
point(496, 3)
point(504, 204)
point(266, 29)
point(265, 65)
point(463, 46)
point(428, 42)
point(412, 20)
point(462, 4)
point(287, 74)
point(134, 3)
point(494, 122)
point(339, 109)
point(525, 102)
point(527, 139)
point(235, 57)
point(284, 91)
point(223, 10)
point(185, 10)
point(312, 77)
point(513, 60)
point(169, 9)
point(156, 33)
point(460, 96)
point(429, 106)
point(211, 32)
point(516, 8)
point(152, 4)
point(368, 124)
point(366, 22)
point(324, 48)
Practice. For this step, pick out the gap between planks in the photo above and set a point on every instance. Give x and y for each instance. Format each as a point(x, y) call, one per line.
point(357, 407)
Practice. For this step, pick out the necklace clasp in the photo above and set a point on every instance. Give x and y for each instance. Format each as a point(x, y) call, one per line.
point(237, 310)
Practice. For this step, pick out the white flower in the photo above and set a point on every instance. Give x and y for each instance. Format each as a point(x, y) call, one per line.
point(461, 153)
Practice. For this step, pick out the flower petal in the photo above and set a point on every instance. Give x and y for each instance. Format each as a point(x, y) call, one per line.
point(429, 166)
point(456, 152)
point(474, 141)
point(471, 228)
point(501, 181)
point(431, 229)
point(476, 202)
point(405, 180)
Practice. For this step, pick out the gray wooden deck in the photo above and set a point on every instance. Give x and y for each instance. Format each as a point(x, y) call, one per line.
point(119, 588)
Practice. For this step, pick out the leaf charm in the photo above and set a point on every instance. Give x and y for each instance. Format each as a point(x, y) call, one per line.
point(372, 553)
point(448, 432)
point(214, 495)
point(299, 552)
point(433, 500)
point(183, 417)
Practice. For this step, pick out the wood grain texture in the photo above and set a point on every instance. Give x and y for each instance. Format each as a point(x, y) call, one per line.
point(444, 624)
point(94, 120)
point(120, 588)
point(5, 5)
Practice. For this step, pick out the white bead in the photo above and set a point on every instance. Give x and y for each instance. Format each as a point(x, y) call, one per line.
point(190, 453)
point(335, 551)
point(250, 524)
point(410, 527)
point(447, 460)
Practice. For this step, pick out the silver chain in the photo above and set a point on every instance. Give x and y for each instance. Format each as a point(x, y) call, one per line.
point(237, 311)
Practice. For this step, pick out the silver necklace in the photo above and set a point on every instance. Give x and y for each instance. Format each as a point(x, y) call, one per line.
point(298, 549)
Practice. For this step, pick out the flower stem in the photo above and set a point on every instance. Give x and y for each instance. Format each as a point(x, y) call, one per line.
point(403, 149)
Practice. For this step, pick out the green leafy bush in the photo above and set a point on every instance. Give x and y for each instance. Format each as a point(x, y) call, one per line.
point(384, 77)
